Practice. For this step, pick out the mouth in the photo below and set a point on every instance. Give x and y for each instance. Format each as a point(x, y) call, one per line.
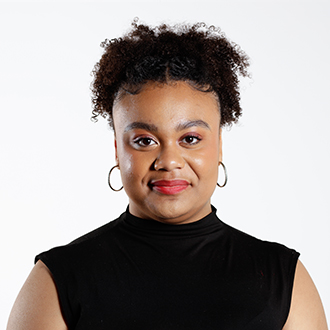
point(169, 187)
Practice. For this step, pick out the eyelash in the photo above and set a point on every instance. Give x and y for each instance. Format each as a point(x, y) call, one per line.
point(144, 138)
point(139, 141)
point(196, 137)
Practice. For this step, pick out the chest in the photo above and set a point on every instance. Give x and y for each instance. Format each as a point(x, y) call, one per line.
point(163, 288)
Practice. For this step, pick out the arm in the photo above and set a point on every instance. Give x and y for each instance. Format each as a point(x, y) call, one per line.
point(306, 310)
point(37, 306)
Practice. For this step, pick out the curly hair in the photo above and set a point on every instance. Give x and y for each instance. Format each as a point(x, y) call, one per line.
point(197, 54)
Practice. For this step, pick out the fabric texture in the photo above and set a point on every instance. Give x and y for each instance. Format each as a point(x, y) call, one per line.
point(134, 273)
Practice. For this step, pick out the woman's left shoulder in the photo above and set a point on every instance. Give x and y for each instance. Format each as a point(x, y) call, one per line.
point(266, 250)
point(306, 311)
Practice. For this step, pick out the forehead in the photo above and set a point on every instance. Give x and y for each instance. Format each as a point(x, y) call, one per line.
point(166, 104)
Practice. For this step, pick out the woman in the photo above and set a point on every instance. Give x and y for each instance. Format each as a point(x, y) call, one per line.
point(168, 262)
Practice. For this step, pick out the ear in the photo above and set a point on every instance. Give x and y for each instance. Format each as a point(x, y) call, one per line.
point(220, 145)
point(116, 151)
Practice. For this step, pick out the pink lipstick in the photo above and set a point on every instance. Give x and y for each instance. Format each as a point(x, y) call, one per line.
point(169, 187)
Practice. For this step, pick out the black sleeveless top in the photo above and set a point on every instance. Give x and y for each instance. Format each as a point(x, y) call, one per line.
point(142, 274)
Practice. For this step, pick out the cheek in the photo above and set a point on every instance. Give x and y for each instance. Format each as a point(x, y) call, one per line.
point(133, 166)
point(209, 156)
point(125, 161)
point(205, 164)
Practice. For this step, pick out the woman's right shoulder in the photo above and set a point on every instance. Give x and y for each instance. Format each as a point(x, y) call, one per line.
point(37, 304)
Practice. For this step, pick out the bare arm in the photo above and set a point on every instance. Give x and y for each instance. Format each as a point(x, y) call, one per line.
point(306, 310)
point(37, 306)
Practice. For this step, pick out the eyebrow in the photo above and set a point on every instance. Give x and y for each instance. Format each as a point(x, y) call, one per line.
point(141, 125)
point(192, 123)
point(179, 127)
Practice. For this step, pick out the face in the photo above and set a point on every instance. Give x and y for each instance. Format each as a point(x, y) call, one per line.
point(168, 147)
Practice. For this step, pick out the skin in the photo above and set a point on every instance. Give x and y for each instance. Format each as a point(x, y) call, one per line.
point(168, 132)
point(306, 310)
point(164, 149)
point(37, 306)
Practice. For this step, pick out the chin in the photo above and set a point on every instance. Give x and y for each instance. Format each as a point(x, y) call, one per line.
point(172, 213)
point(166, 212)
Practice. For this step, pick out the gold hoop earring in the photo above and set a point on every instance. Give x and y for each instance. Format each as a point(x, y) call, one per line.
point(116, 166)
point(226, 177)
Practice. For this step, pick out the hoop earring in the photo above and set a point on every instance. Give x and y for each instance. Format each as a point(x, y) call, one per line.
point(116, 166)
point(226, 177)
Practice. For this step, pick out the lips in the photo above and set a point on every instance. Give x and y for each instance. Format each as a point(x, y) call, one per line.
point(169, 187)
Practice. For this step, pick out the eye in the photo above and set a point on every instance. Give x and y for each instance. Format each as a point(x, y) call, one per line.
point(191, 139)
point(144, 141)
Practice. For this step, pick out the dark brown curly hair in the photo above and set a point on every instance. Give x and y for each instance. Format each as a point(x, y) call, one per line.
point(197, 54)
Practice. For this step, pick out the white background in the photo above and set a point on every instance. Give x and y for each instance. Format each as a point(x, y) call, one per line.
point(55, 161)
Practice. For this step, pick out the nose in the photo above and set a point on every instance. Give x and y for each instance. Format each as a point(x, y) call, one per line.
point(169, 158)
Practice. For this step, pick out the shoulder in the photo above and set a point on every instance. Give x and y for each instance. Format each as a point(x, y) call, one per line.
point(276, 262)
point(304, 306)
point(65, 261)
point(266, 250)
point(306, 311)
point(85, 246)
point(37, 305)
point(99, 233)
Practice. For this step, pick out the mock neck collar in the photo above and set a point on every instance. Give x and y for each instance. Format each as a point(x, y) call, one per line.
point(204, 226)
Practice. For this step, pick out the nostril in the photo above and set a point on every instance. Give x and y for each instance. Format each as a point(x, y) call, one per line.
point(169, 161)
